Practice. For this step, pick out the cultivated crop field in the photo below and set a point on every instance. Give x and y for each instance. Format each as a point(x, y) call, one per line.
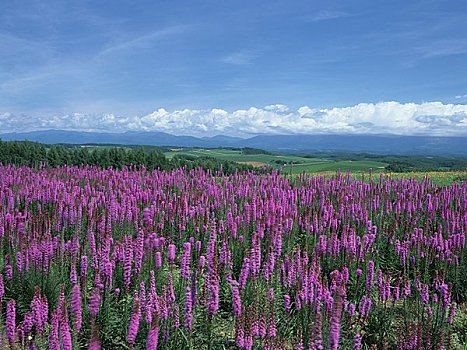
point(137, 259)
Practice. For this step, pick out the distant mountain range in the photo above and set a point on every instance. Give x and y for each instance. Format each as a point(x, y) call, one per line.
point(376, 144)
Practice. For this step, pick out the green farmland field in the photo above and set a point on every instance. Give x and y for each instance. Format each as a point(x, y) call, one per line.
point(300, 164)
point(319, 166)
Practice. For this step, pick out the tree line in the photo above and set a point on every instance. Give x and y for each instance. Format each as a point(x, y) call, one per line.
point(35, 155)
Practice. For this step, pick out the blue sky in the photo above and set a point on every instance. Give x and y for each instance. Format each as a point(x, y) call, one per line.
point(80, 61)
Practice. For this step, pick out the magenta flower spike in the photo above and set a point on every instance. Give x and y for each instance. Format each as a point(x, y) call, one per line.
point(134, 320)
point(236, 301)
point(370, 275)
point(11, 321)
point(76, 307)
point(171, 253)
point(65, 333)
point(95, 344)
point(94, 302)
point(153, 338)
point(188, 309)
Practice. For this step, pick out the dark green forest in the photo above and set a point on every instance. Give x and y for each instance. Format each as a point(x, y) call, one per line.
point(39, 155)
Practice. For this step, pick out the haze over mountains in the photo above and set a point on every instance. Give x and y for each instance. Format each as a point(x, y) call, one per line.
point(376, 144)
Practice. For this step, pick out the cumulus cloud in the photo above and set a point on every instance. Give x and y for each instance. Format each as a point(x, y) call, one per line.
point(430, 118)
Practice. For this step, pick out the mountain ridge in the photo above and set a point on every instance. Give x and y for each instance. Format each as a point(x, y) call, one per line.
point(297, 143)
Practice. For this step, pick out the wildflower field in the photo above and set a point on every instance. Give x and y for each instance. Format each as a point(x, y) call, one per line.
point(137, 259)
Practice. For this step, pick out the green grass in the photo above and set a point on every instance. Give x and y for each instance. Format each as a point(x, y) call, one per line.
point(342, 165)
point(440, 178)
point(320, 166)
point(301, 164)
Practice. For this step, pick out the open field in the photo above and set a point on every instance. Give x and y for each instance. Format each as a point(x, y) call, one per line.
point(321, 166)
point(238, 156)
point(300, 164)
point(439, 178)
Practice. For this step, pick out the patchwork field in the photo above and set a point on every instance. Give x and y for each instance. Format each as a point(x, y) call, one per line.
point(300, 164)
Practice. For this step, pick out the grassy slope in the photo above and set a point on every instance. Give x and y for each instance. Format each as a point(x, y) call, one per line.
point(302, 164)
point(321, 166)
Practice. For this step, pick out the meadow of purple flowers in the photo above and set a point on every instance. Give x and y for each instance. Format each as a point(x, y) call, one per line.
point(136, 259)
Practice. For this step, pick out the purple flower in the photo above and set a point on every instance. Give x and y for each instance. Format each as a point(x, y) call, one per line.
point(240, 337)
point(76, 306)
point(73, 276)
point(424, 294)
point(65, 333)
point(2, 288)
point(171, 287)
point(128, 261)
point(287, 303)
point(158, 260)
point(357, 342)
point(406, 290)
point(316, 342)
point(396, 293)
point(335, 322)
point(94, 302)
point(84, 266)
point(370, 275)
point(153, 337)
point(262, 330)
point(95, 344)
point(10, 321)
point(351, 310)
point(365, 306)
point(271, 294)
point(452, 313)
point(40, 309)
point(272, 329)
point(9, 272)
point(19, 262)
point(135, 318)
point(213, 302)
point(245, 271)
point(28, 323)
point(236, 301)
point(445, 295)
point(185, 261)
point(139, 252)
point(54, 343)
point(171, 252)
point(188, 309)
point(176, 316)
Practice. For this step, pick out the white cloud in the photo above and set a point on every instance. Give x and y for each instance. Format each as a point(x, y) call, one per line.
point(430, 118)
point(458, 97)
point(326, 15)
point(441, 48)
point(240, 58)
point(144, 41)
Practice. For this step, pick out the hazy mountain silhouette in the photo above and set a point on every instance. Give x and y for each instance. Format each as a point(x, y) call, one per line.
point(379, 144)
